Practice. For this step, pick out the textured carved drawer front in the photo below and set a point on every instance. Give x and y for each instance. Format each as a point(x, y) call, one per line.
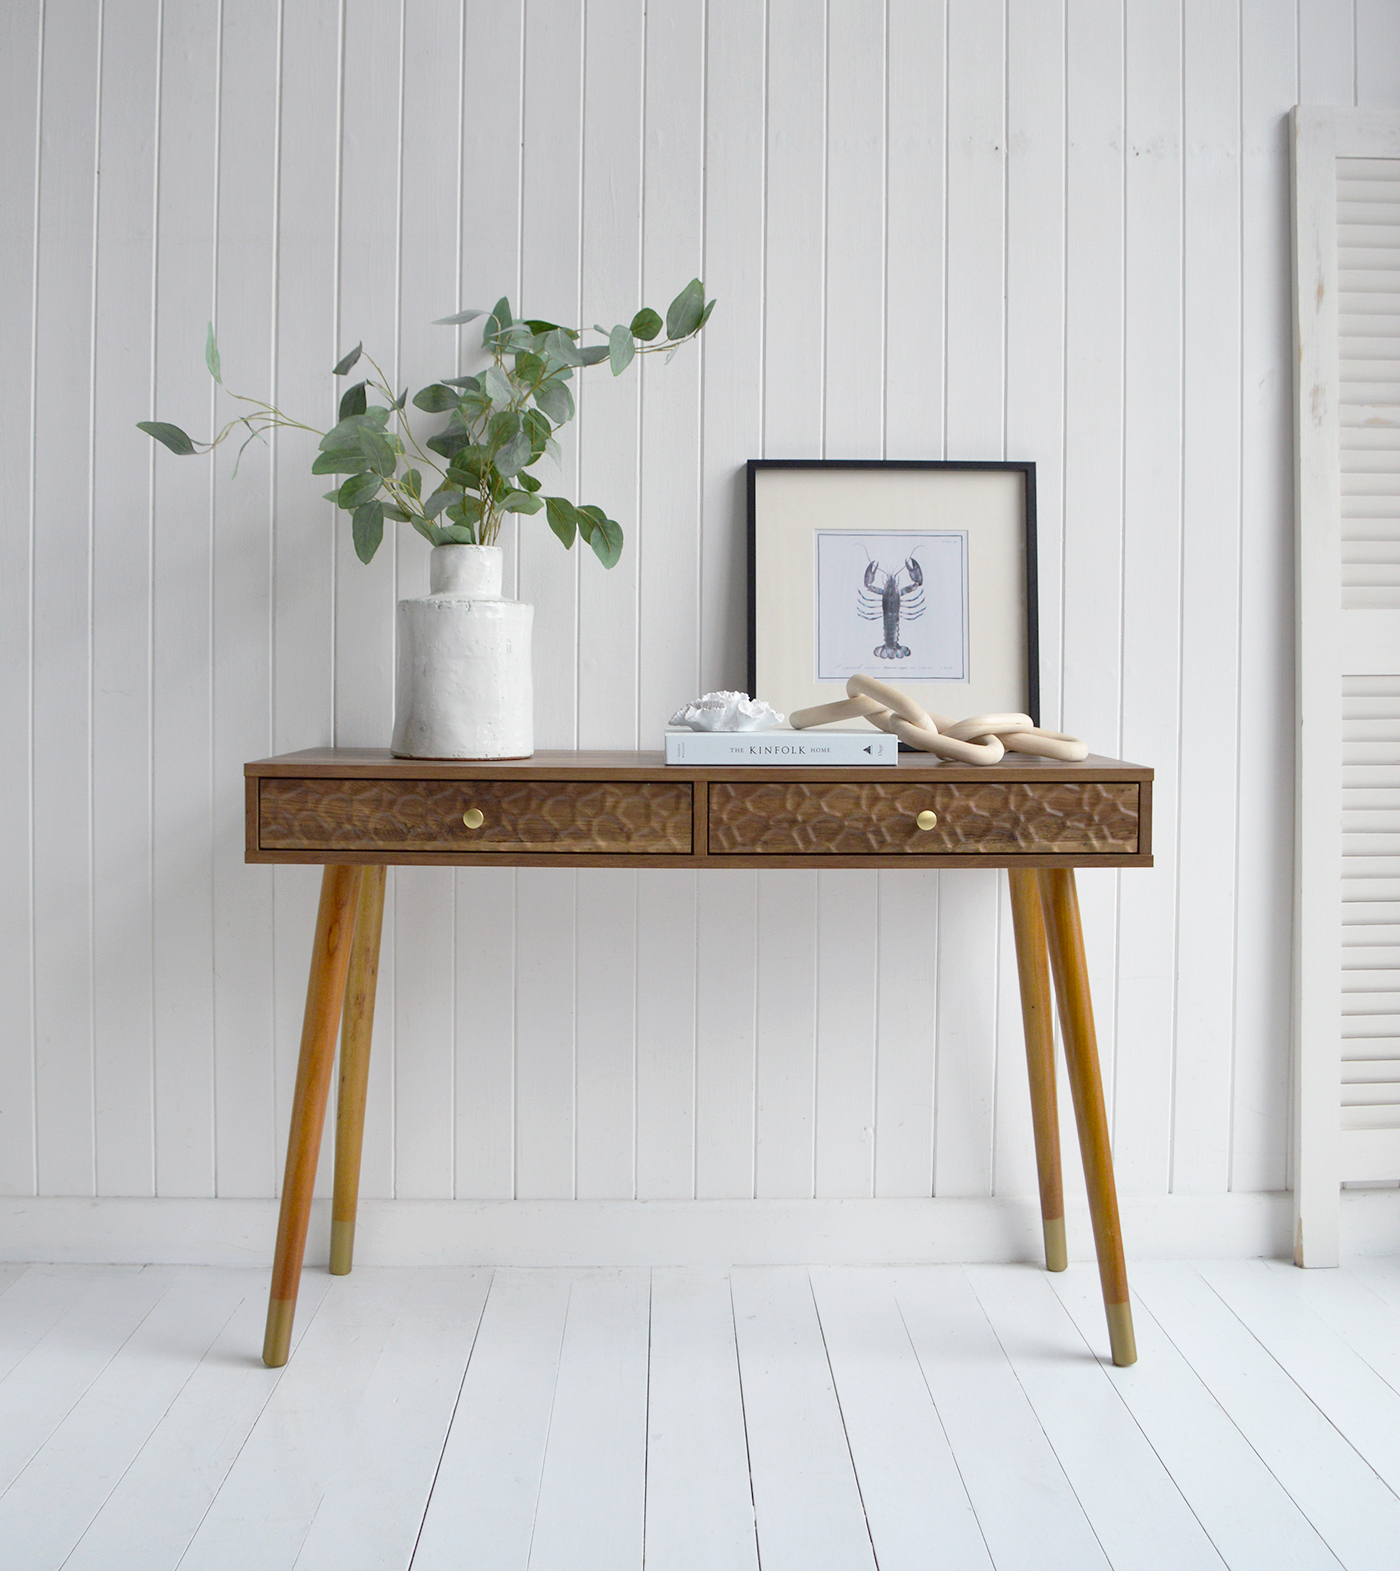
point(609, 816)
point(748, 818)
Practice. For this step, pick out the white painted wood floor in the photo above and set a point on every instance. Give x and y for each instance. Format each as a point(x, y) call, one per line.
point(942, 1417)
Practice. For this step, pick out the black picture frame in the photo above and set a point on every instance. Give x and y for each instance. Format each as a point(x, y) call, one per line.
point(804, 583)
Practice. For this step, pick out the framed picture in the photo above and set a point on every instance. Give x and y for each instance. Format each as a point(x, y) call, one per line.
point(920, 573)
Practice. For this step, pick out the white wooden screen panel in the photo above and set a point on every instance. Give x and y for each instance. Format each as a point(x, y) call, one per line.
point(935, 229)
point(1347, 1017)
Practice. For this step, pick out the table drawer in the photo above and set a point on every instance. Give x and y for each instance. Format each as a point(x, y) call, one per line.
point(798, 818)
point(564, 816)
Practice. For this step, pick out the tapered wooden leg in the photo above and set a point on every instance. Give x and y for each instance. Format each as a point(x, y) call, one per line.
point(1060, 902)
point(1033, 966)
point(325, 991)
point(357, 1026)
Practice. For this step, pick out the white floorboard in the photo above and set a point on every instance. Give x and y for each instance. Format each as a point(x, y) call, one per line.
point(806, 1497)
point(910, 1484)
point(1024, 1502)
point(701, 1420)
point(1350, 1507)
point(699, 1506)
point(1139, 1515)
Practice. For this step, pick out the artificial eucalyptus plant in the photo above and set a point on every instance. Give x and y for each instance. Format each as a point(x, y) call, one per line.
point(499, 425)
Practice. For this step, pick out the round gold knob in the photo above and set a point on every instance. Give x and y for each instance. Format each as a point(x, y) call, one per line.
point(473, 818)
point(926, 819)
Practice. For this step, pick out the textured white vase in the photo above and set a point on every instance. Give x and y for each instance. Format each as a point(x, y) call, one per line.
point(464, 681)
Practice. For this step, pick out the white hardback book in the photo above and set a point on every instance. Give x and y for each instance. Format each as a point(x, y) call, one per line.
point(747, 748)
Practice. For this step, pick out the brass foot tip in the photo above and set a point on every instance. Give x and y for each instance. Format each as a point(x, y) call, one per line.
point(342, 1247)
point(277, 1342)
point(1056, 1250)
point(1120, 1334)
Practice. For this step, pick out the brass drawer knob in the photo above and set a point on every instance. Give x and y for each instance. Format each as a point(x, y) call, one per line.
point(926, 819)
point(473, 818)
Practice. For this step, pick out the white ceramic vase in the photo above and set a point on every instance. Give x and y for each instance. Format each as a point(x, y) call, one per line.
point(464, 682)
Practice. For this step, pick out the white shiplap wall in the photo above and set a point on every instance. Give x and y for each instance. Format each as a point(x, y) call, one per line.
point(1027, 230)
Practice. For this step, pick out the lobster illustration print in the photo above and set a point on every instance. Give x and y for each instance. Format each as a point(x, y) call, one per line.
point(891, 602)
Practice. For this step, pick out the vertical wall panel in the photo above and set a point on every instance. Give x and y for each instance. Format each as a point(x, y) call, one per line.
point(550, 278)
point(1210, 595)
point(914, 211)
point(246, 1152)
point(61, 587)
point(121, 617)
point(1377, 53)
point(20, 56)
point(794, 241)
point(1151, 574)
point(726, 920)
point(1327, 63)
point(1264, 908)
point(182, 676)
point(428, 97)
point(1031, 231)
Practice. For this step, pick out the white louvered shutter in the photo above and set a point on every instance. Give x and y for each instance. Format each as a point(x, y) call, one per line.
point(1346, 169)
point(1368, 343)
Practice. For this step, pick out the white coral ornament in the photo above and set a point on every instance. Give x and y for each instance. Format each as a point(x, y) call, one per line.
point(727, 712)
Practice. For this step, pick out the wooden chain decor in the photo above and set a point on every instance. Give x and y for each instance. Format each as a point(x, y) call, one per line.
point(981, 739)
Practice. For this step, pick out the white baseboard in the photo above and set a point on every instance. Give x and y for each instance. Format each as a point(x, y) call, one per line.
point(671, 1232)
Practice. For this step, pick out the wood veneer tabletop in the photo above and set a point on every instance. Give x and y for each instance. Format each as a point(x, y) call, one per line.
point(377, 763)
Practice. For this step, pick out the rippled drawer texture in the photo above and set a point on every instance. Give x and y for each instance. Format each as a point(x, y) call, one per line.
point(756, 818)
point(605, 816)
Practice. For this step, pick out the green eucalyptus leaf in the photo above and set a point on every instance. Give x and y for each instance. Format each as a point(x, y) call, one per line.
point(413, 482)
point(359, 489)
point(684, 313)
point(497, 322)
point(427, 530)
point(646, 324)
point(589, 519)
point(606, 538)
point(439, 500)
point(526, 481)
point(529, 368)
point(470, 383)
point(367, 529)
point(396, 513)
point(497, 384)
point(348, 361)
point(353, 401)
point(563, 518)
point(520, 502)
point(621, 348)
point(448, 443)
point(595, 354)
point(556, 401)
point(561, 347)
point(456, 534)
point(331, 496)
point(401, 400)
point(437, 399)
point(456, 321)
point(705, 315)
point(514, 455)
point(537, 326)
point(211, 356)
point(537, 424)
point(170, 435)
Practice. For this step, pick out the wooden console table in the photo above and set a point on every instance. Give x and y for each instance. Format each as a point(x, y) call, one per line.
point(356, 810)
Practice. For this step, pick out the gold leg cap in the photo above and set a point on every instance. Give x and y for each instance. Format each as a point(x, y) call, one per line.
point(1120, 1334)
point(277, 1341)
point(342, 1247)
point(1056, 1252)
